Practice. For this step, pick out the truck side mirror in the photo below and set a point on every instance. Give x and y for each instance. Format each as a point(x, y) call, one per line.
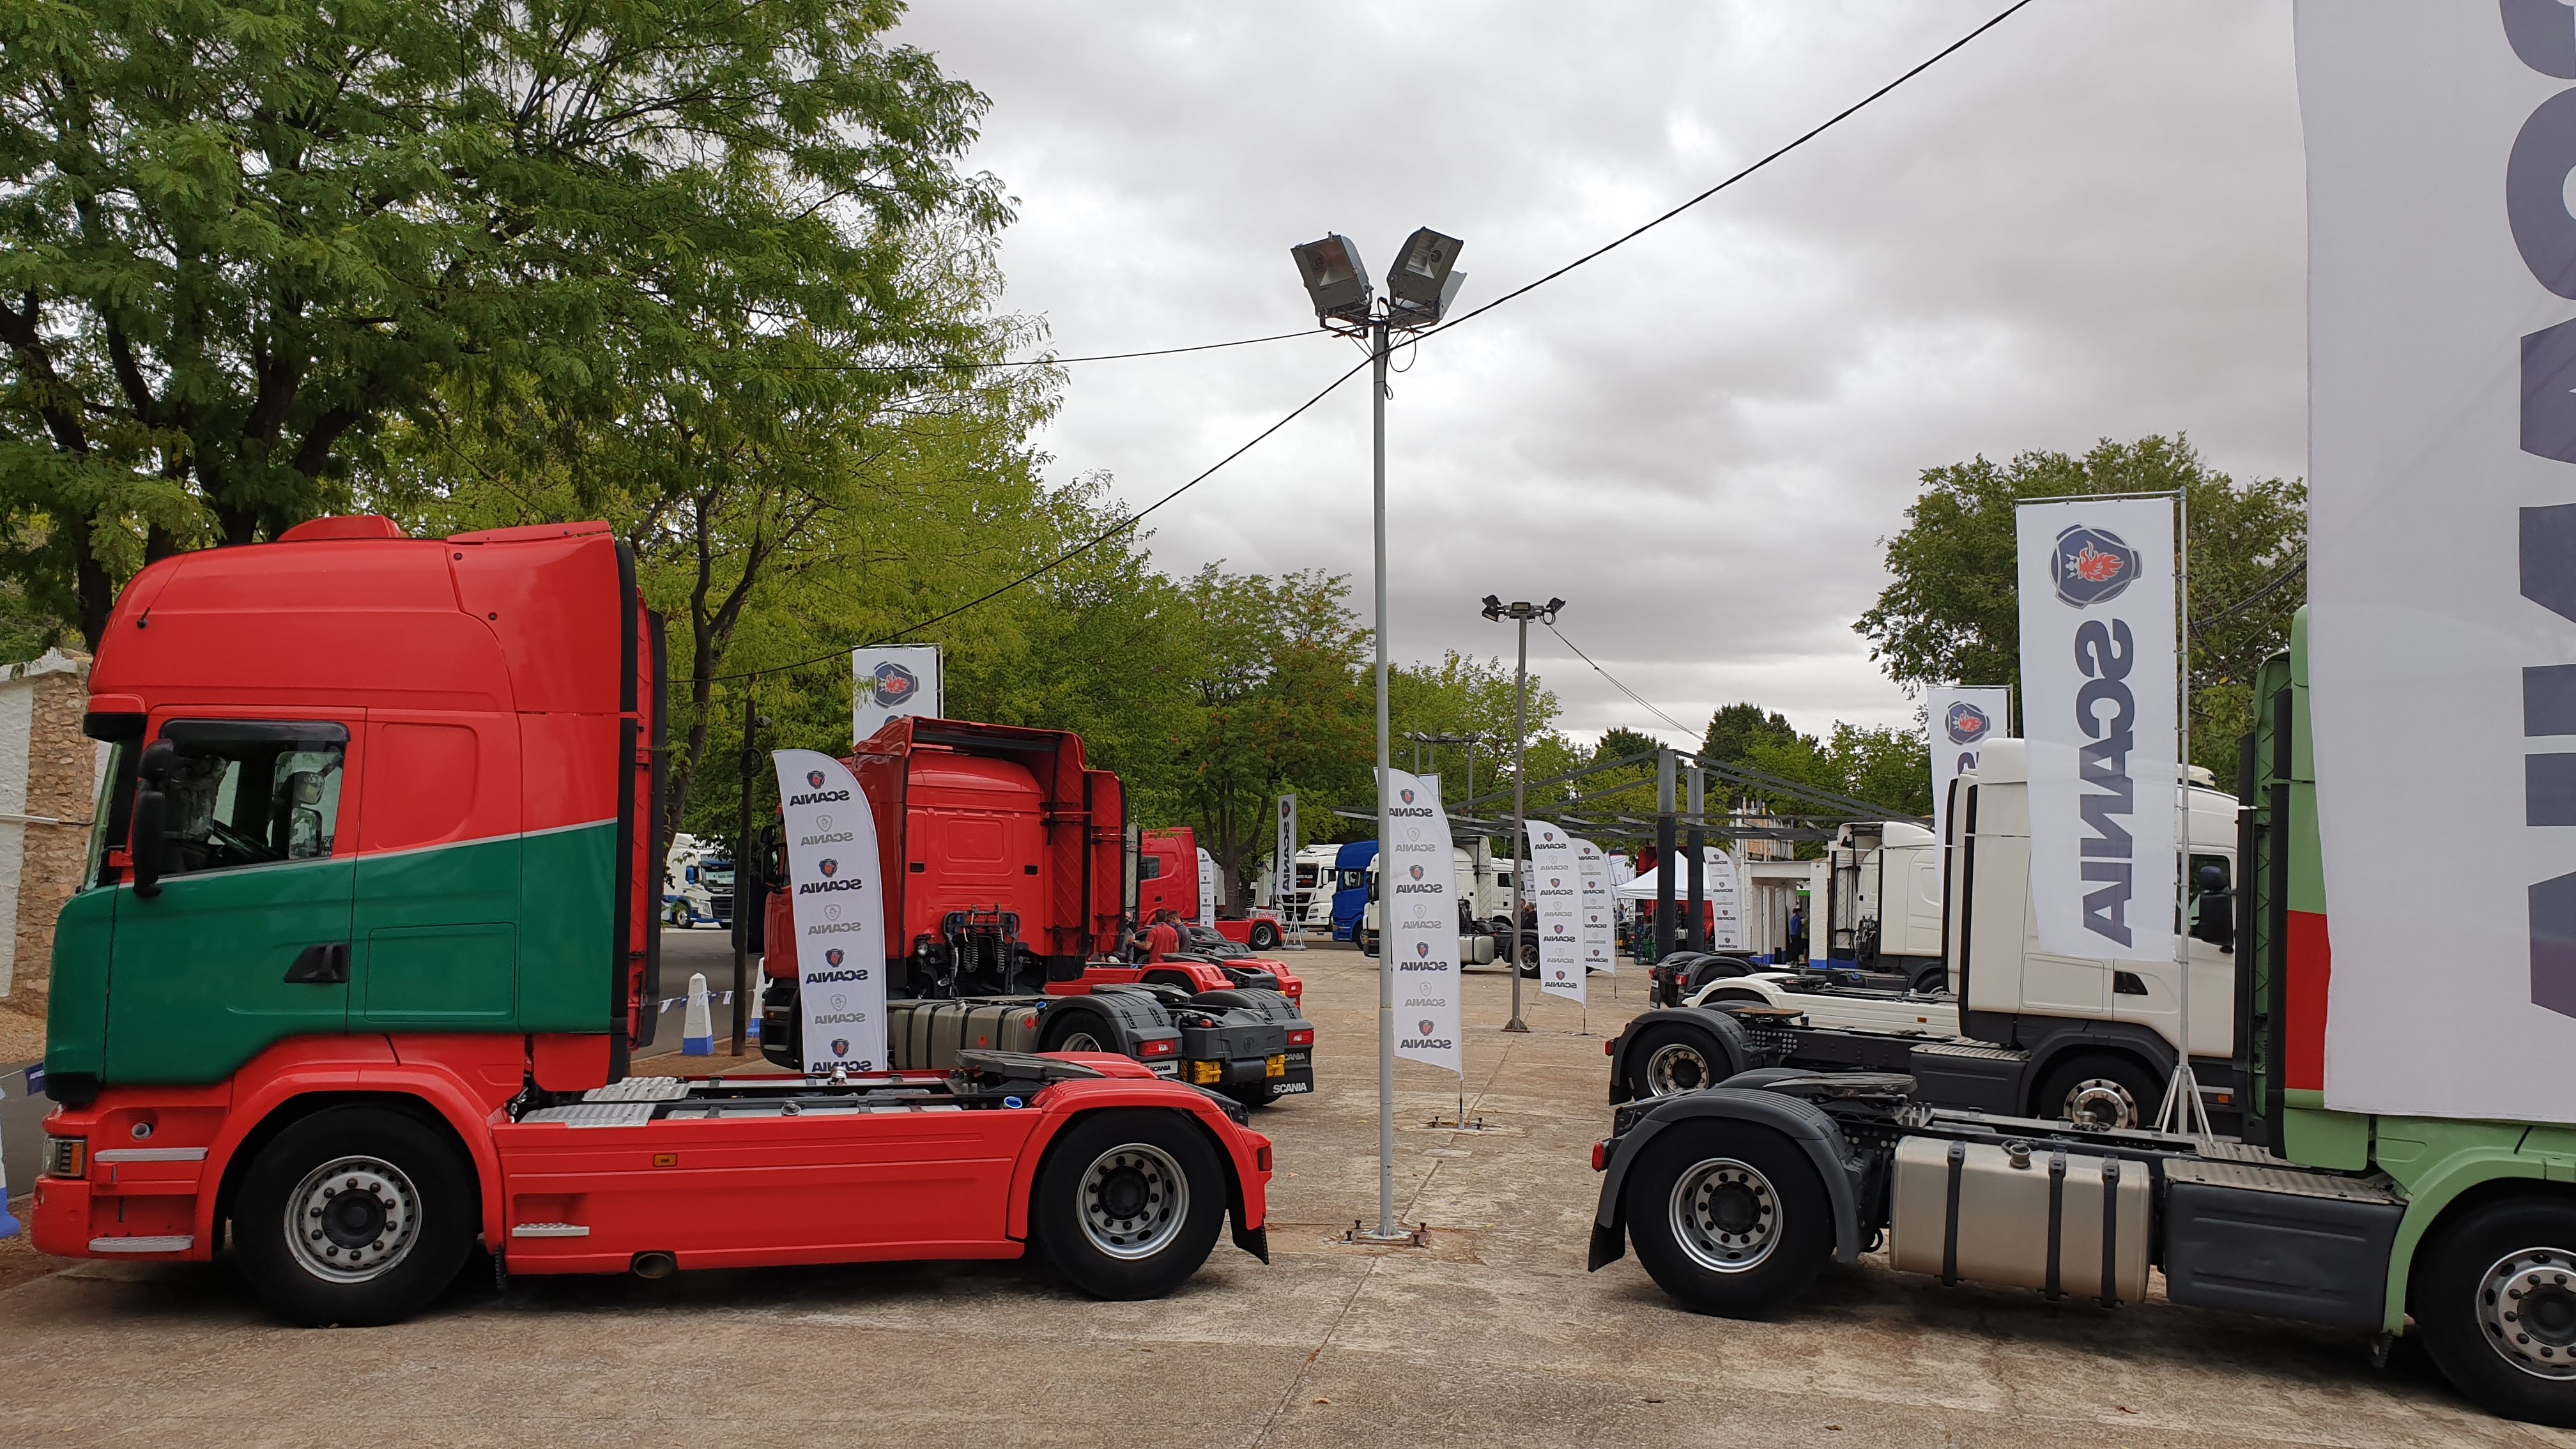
point(151, 815)
point(2217, 922)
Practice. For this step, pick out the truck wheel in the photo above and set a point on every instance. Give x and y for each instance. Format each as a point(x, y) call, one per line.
point(679, 915)
point(2098, 1090)
point(354, 1215)
point(1671, 1059)
point(1529, 960)
point(1931, 980)
point(1265, 936)
point(2495, 1298)
point(1728, 1218)
point(1078, 1031)
point(1129, 1203)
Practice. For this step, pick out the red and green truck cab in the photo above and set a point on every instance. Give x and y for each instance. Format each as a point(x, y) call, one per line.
point(368, 930)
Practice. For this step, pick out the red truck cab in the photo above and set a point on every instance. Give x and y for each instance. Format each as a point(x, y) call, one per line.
point(370, 922)
point(1004, 854)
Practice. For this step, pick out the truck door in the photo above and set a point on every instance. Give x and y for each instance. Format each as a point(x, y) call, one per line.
point(435, 935)
point(247, 941)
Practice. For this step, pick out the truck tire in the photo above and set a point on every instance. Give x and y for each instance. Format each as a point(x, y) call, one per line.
point(2514, 1355)
point(1728, 1217)
point(1670, 1058)
point(1128, 1203)
point(1931, 979)
point(1079, 1031)
point(1265, 936)
point(356, 1216)
point(678, 915)
point(1529, 959)
point(2099, 1089)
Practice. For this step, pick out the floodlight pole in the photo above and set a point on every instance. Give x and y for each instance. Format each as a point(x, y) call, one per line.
point(1386, 1229)
point(1520, 810)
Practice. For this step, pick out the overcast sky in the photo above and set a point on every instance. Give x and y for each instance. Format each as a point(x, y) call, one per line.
point(2088, 223)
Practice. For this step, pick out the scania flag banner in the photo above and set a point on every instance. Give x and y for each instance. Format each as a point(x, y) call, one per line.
point(1283, 873)
point(1600, 927)
point(2097, 689)
point(1723, 891)
point(1418, 873)
point(1556, 884)
point(1962, 720)
point(888, 682)
point(2442, 557)
point(839, 909)
point(1207, 889)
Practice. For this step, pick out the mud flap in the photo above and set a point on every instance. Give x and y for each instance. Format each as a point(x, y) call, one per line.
point(1255, 1241)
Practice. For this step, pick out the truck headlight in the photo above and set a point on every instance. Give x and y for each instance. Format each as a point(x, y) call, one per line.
point(65, 1157)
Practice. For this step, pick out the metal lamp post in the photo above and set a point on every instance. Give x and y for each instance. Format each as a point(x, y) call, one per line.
point(1521, 613)
point(744, 873)
point(1418, 294)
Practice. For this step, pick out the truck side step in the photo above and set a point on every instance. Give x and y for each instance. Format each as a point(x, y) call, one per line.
point(639, 1089)
point(1980, 1078)
point(595, 1114)
point(2278, 1241)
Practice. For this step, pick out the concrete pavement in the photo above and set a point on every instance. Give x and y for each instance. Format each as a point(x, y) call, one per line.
point(1492, 1335)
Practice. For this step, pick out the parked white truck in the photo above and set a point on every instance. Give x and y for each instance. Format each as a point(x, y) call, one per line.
point(2015, 1029)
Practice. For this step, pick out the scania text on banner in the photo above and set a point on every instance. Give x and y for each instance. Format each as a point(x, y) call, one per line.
point(2098, 682)
point(1557, 887)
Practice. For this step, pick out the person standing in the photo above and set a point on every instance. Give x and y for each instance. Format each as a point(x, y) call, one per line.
point(1798, 935)
point(1163, 938)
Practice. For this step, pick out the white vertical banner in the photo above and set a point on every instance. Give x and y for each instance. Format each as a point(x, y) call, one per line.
point(888, 682)
point(2442, 558)
point(1556, 884)
point(838, 905)
point(1207, 889)
point(1962, 719)
point(1283, 859)
point(2098, 674)
point(1722, 886)
point(1417, 876)
point(1600, 928)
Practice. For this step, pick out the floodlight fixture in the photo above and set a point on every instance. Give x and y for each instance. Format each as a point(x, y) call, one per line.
point(1424, 281)
point(1335, 278)
point(1493, 607)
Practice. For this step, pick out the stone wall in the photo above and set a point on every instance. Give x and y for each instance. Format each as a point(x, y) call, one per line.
point(48, 781)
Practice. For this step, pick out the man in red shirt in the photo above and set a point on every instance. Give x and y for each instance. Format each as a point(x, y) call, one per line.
point(1163, 937)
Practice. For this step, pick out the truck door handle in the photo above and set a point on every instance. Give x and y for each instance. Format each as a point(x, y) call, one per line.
point(322, 965)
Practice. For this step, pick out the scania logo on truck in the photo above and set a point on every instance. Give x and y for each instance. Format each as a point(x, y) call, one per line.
point(2094, 566)
point(1966, 724)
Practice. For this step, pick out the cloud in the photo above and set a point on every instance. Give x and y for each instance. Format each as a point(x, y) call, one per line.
point(2086, 224)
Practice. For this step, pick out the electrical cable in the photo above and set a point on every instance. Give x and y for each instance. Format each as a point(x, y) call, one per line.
point(1086, 546)
point(955, 365)
point(1521, 291)
point(1615, 684)
point(1837, 118)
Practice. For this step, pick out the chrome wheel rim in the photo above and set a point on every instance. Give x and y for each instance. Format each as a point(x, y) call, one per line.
point(2527, 1305)
point(2101, 1102)
point(1079, 1041)
point(1134, 1201)
point(1676, 1067)
point(353, 1219)
point(1726, 1215)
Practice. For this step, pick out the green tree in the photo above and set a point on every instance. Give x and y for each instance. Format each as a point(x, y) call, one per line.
point(1277, 673)
point(1734, 729)
point(1951, 612)
point(239, 236)
point(1888, 767)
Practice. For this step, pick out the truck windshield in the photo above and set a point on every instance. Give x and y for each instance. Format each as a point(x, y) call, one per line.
point(717, 873)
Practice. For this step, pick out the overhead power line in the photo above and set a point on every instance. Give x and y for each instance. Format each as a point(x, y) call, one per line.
point(1615, 684)
point(1122, 526)
point(1820, 128)
point(962, 364)
point(1523, 290)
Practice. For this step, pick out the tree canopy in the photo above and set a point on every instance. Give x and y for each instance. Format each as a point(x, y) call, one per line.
point(1951, 613)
